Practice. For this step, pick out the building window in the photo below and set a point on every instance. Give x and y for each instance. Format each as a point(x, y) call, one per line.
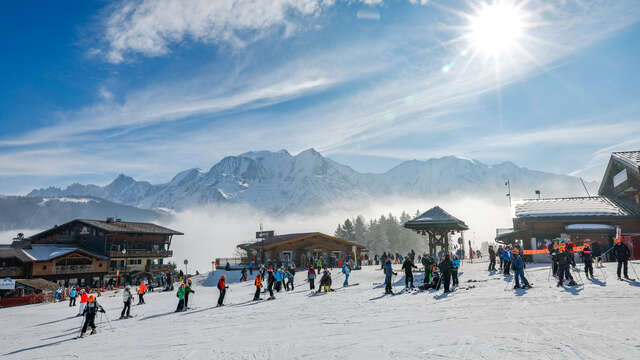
point(44, 267)
point(100, 265)
point(139, 261)
point(113, 264)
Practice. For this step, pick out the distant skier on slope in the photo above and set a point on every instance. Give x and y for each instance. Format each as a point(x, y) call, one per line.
point(222, 286)
point(408, 267)
point(258, 284)
point(91, 309)
point(127, 298)
point(180, 295)
point(311, 275)
point(518, 266)
point(325, 281)
point(565, 259)
point(587, 258)
point(492, 259)
point(446, 266)
point(346, 270)
point(388, 272)
point(622, 254)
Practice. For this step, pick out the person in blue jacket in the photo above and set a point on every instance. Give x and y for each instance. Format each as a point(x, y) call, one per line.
point(72, 297)
point(454, 270)
point(346, 270)
point(518, 270)
point(388, 272)
point(506, 254)
point(279, 279)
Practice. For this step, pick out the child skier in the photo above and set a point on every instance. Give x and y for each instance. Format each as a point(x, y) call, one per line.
point(72, 297)
point(346, 270)
point(258, 284)
point(127, 298)
point(141, 291)
point(289, 277)
point(427, 262)
point(565, 259)
point(222, 286)
point(325, 282)
point(187, 291)
point(180, 295)
point(454, 270)
point(243, 276)
point(279, 279)
point(311, 275)
point(588, 260)
point(91, 309)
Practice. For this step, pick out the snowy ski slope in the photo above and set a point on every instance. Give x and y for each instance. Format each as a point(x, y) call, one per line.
point(484, 319)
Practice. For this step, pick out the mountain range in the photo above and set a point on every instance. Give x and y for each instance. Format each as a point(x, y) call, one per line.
point(278, 182)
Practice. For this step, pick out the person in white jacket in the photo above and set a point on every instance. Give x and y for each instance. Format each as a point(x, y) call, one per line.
point(127, 297)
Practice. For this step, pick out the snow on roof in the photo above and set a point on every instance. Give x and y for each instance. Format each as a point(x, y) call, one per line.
point(576, 227)
point(577, 206)
point(436, 216)
point(46, 252)
point(630, 157)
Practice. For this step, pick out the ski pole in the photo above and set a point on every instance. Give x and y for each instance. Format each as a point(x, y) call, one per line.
point(108, 321)
point(633, 268)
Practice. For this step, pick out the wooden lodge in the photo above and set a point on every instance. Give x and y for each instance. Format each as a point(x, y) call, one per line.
point(88, 251)
point(302, 248)
point(612, 215)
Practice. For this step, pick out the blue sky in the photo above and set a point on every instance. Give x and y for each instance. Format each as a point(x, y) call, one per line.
point(92, 89)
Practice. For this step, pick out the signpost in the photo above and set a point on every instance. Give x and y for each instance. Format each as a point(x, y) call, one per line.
point(186, 262)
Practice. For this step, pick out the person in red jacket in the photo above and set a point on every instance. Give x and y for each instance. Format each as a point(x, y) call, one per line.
point(222, 286)
point(84, 297)
point(141, 291)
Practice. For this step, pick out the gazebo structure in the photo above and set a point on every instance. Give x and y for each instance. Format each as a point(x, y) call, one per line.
point(437, 224)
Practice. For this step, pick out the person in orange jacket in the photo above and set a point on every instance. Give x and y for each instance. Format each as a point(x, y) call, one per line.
point(222, 286)
point(84, 297)
point(141, 291)
point(258, 284)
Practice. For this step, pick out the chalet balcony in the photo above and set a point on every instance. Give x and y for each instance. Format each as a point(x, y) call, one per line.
point(156, 268)
point(141, 253)
point(74, 269)
point(11, 271)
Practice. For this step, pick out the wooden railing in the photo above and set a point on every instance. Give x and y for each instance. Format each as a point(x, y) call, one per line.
point(11, 271)
point(154, 268)
point(141, 253)
point(74, 269)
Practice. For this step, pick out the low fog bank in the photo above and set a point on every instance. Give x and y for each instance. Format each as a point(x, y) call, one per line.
point(214, 231)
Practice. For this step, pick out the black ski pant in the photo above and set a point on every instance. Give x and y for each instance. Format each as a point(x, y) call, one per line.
point(446, 280)
point(564, 273)
point(387, 282)
point(89, 321)
point(72, 301)
point(186, 299)
point(427, 276)
point(256, 296)
point(221, 297)
point(312, 283)
point(622, 263)
point(454, 277)
point(408, 279)
point(555, 268)
point(180, 305)
point(507, 266)
point(140, 298)
point(492, 264)
point(588, 268)
point(270, 288)
point(501, 263)
point(126, 309)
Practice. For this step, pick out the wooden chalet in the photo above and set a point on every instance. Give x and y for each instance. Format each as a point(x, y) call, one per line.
point(438, 225)
point(302, 248)
point(92, 249)
point(599, 220)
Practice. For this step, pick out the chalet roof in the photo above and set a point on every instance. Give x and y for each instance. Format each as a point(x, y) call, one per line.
point(8, 252)
point(632, 158)
point(38, 284)
point(119, 227)
point(278, 239)
point(436, 217)
point(594, 206)
point(623, 159)
point(46, 252)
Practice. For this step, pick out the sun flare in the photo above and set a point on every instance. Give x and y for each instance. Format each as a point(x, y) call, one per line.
point(496, 28)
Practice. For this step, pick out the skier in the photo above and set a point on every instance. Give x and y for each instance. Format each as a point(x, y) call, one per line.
point(506, 254)
point(72, 297)
point(500, 255)
point(141, 291)
point(346, 270)
point(408, 267)
point(565, 259)
point(622, 254)
point(319, 265)
point(325, 281)
point(84, 297)
point(187, 291)
point(258, 284)
point(388, 272)
point(279, 279)
point(518, 266)
point(222, 286)
point(492, 259)
point(427, 262)
point(271, 279)
point(127, 298)
point(311, 275)
point(554, 252)
point(454, 270)
point(180, 295)
point(446, 267)
point(243, 276)
point(91, 309)
point(289, 280)
point(588, 260)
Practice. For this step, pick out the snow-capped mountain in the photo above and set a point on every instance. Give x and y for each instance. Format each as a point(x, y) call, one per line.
point(280, 182)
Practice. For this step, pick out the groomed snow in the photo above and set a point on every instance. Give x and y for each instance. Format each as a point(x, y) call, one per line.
point(599, 321)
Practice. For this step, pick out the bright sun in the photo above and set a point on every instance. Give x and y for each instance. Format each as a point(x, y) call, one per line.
point(496, 29)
